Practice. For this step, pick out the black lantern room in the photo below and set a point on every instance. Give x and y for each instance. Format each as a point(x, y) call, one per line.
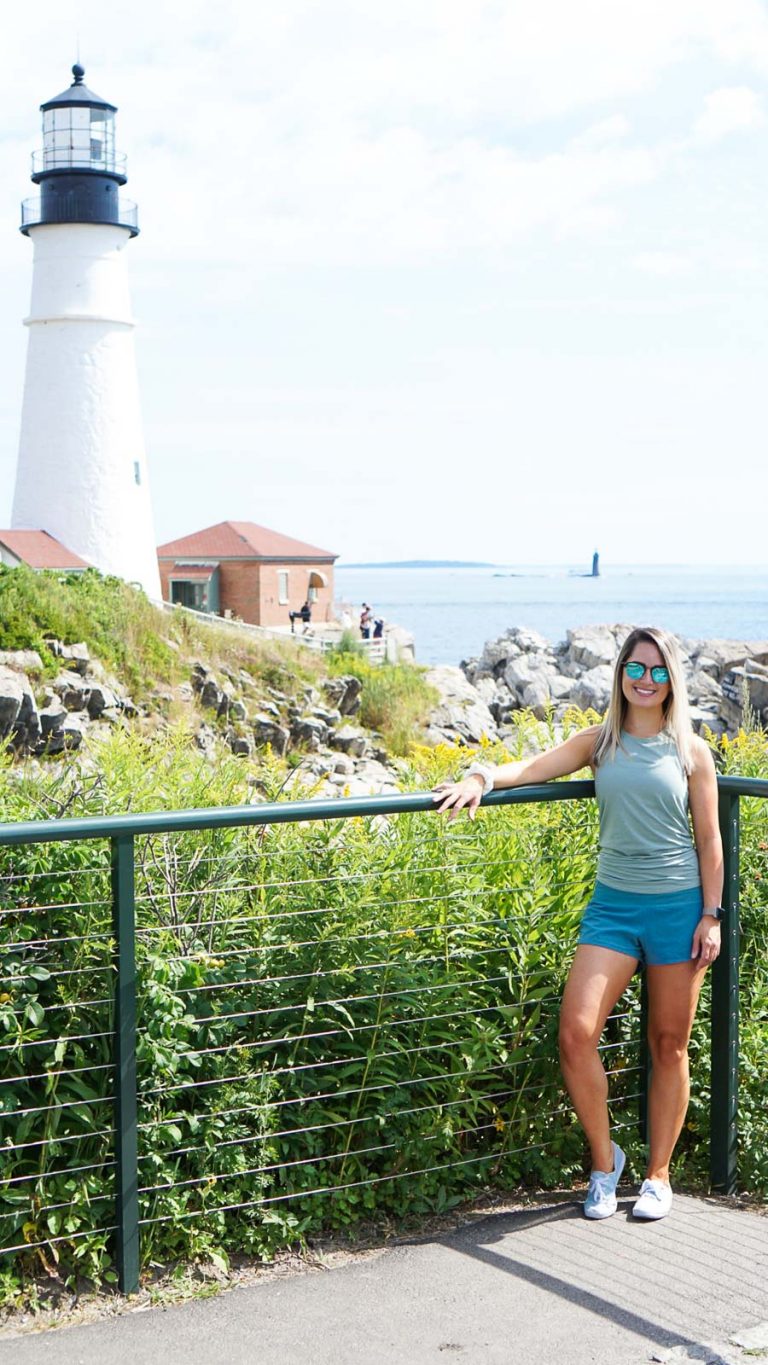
point(78, 170)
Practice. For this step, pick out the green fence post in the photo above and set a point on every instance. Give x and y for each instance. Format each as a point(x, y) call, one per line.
point(723, 1119)
point(126, 1144)
point(644, 1061)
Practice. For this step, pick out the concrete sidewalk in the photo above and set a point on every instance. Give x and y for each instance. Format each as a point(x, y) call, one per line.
point(531, 1287)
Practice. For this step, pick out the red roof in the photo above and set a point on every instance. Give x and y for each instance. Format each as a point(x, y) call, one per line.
point(193, 571)
point(41, 551)
point(241, 540)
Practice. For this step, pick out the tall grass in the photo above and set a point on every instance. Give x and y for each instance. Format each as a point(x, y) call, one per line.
point(396, 699)
point(142, 644)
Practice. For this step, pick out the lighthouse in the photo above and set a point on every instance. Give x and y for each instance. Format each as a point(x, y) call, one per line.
point(82, 473)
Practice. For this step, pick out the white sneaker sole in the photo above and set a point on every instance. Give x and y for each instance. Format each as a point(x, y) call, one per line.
point(652, 1216)
point(596, 1215)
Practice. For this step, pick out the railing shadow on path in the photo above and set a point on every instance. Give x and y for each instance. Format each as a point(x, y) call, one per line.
point(602, 1256)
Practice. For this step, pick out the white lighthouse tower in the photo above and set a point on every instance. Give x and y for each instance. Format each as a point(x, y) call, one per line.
point(82, 474)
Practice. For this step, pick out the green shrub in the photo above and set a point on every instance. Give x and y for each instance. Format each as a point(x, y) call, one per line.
point(338, 1020)
point(396, 699)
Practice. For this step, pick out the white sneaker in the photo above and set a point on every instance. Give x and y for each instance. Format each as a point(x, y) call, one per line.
point(601, 1195)
point(655, 1200)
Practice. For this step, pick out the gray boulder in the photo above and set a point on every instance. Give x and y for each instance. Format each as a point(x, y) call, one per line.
point(211, 695)
point(52, 718)
point(747, 682)
point(241, 745)
point(310, 731)
point(100, 699)
point(11, 698)
point(591, 646)
point(593, 689)
point(497, 652)
point(267, 731)
point(21, 660)
point(72, 690)
point(349, 741)
point(344, 693)
point(461, 713)
point(529, 641)
point(721, 656)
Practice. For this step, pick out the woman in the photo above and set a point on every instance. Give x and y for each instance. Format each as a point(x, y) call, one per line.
point(656, 900)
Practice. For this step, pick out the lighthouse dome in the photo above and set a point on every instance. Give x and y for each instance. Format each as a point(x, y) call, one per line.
point(77, 94)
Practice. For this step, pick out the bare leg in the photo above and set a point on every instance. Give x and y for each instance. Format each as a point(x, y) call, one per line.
point(598, 977)
point(673, 993)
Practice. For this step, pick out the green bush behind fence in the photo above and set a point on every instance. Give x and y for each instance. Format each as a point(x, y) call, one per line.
point(336, 1020)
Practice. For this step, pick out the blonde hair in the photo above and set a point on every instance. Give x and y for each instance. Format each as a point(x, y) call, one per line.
point(676, 714)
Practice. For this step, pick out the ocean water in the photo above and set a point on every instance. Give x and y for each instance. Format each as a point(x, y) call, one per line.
point(452, 612)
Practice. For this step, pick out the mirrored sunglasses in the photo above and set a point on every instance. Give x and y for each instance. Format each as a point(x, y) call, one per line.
point(635, 670)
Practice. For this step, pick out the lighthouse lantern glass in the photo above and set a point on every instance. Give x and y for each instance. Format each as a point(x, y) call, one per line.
point(79, 136)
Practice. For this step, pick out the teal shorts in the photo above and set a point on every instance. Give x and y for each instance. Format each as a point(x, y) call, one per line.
point(655, 927)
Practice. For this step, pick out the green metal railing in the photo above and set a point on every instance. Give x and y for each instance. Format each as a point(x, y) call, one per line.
point(124, 1030)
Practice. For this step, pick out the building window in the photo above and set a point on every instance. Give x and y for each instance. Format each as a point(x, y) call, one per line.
point(282, 587)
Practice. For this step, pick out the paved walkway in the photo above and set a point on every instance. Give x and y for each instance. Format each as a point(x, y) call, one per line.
point(532, 1287)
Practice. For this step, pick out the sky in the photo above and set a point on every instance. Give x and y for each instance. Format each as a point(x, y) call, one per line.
point(459, 279)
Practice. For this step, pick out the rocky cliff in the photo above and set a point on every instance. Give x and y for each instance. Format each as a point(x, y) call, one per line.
point(521, 670)
point(313, 729)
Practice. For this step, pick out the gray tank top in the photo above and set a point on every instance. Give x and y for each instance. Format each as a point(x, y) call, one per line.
point(645, 837)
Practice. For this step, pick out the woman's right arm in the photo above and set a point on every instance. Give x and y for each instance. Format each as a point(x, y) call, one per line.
point(575, 753)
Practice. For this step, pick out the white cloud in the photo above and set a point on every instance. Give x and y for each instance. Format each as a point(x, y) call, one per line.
point(662, 263)
point(731, 109)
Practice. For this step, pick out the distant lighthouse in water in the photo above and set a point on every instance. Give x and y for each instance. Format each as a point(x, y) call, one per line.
point(82, 473)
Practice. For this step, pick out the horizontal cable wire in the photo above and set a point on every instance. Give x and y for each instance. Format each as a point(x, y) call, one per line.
point(356, 1184)
point(329, 910)
point(460, 956)
point(102, 868)
point(490, 1067)
point(325, 1095)
point(345, 1031)
point(44, 1075)
point(52, 1175)
point(457, 984)
point(52, 1241)
point(291, 914)
point(61, 1104)
point(308, 1037)
point(54, 942)
point(444, 839)
point(345, 877)
point(349, 1000)
point(365, 1118)
point(65, 1204)
point(405, 931)
point(19, 978)
point(218, 1177)
point(63, 905)
point(50, 1042)
point(89, 1136)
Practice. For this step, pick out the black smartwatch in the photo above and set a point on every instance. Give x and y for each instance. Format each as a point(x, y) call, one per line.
point(718, 913)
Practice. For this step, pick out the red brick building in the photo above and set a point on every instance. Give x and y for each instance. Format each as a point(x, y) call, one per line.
point(245, 570)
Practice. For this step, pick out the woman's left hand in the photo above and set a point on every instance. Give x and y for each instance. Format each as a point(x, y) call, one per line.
point(706, 940)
